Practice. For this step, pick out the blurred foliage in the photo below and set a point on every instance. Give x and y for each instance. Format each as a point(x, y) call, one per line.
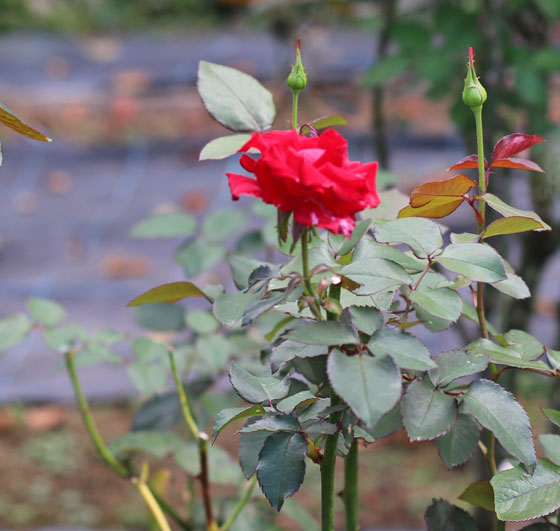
point(69, 16)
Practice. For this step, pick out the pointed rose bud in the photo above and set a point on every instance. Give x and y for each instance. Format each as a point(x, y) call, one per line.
point(474, 94)
point(297, 78)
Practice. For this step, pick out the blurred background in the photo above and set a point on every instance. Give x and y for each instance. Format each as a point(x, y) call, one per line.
point(113, 83)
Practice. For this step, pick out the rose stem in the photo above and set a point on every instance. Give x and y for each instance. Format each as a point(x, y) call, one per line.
point(202, 439)
point(351, 488)
point(148, 496)
point(329, 456)
point(315, 308)
point(490, 456)
point(106, 454)
point(295, 98)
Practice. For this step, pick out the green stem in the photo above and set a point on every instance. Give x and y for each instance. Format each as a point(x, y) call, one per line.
point(202, 439)
point(490, 454)
point(295, 98)
point(315, 305)
point(170, 511)
point(501, 526)
point(183, 399)
point(91, 427)
point(331, 445)
point(327, 471)
point(240, 504)
point(151, 502)
point(351, 488)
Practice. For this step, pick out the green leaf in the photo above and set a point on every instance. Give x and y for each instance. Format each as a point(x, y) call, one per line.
point(423, 236)
point(552, 415)
point(235, 99)
point(444, 303)
point(454, 364)
point(147, 350)
point(460, 442)
point(148, 378)
point(281, 466)
point(250, 446)
point(96, 353)
point(47, 312)
point(507, 210)
point(388, 423)
point(223, 147)
point(169, 293)
point(427, 413)
point(511, 225)
point(228, 416)
point(328, 121)
point(514, 286)
point(520, 495)
point(273, 423)
point(551, 447)
point(407, 351)
point(222, 224)
point(553, 357)
point(64, 338)
point(442, 516)
point(156, 443)
point(14, 330)
point(527, 345)
point(497, 410)
point(477, 261)
point(242, 267)
point(431, 322)
point(11, 120)
point(230, 307)
point(375, 275)
point(367, 248)
point(365, 319)
point(322, 333)
point(342, 245)
point(288, 350)
point(198, 255)
point(172, 225)
point(504, 355)
point(160, 412)
point(160, 316)
point(259, 307)
point(213, 353)
point(302, 398)
point(201, 322)
point(108, 337)
point(255, 390)
point(479, 494)
point(370, 386)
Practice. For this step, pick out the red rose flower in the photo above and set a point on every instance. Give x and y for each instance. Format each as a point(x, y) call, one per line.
point(311, 177)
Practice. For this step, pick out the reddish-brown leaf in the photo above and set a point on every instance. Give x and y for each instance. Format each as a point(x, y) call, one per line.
point(517, 164)
point(513, 144)
point(468, 162)
point(450, 188)
point(439, 207)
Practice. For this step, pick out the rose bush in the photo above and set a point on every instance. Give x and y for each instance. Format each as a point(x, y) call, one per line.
point(309, 176)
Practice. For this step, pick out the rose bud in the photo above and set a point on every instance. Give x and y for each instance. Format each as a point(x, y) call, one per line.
point(297, 78)
point(474, 94)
